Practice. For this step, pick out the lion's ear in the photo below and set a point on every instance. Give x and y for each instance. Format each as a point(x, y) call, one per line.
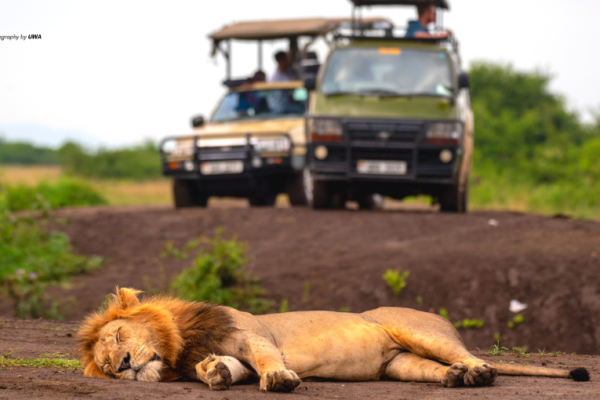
point(92, 371)
point(127, 298)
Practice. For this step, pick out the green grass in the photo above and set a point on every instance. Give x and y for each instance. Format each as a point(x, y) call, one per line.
point(45, 362)
point(65, 192)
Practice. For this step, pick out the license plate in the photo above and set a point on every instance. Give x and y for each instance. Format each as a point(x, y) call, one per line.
point(381, 167)
point(222, 167)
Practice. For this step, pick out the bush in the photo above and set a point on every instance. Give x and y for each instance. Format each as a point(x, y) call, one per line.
point(531, 153)
point(138, 163)
point(219, 276)
point(66, 192)
point(32, 258)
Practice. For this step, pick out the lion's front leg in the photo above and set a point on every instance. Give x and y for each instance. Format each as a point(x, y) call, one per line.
point(267, 360)
point(220, 372)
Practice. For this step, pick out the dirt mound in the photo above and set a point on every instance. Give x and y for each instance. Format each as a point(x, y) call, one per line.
point(471, 265)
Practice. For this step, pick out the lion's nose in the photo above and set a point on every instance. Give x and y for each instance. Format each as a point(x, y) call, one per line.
point(125, 363)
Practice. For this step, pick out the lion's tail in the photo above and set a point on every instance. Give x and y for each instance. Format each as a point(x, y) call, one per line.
point(577, 374)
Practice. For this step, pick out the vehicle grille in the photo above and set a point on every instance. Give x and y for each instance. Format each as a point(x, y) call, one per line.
point(382, 132)
point(221, 153)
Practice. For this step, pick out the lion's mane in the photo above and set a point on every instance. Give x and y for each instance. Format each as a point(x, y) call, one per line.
point(188, 332)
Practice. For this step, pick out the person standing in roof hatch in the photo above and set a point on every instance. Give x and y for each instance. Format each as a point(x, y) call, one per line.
point(285, 71)
point(418, 28)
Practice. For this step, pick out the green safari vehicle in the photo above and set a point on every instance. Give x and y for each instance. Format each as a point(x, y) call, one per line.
point(390, 116)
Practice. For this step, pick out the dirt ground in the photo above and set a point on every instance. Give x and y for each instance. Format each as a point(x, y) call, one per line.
point(472, 265)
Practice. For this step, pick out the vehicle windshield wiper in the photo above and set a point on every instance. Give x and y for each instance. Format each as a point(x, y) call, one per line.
point(416, 94)
point(342, 94)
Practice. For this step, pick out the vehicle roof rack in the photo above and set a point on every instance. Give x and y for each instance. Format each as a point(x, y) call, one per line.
point(286, 28)
point(438, 3)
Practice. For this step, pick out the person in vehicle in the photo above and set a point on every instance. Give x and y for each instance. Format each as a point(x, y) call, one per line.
point(285, 72)
point(259, 76)
point(418, 28)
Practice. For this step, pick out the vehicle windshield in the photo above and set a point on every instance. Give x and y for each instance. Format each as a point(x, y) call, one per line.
point(261, 104)
point(388, 71)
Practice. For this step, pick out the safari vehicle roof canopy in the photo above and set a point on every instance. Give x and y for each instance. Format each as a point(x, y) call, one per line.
point(438, 3)
point(289, 29)
point(285, 28)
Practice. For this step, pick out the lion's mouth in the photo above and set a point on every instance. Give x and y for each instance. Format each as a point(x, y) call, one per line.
point(146, 372)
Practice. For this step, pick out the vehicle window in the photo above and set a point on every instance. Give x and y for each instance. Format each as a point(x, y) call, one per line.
point(260, 104)
point(388, 71)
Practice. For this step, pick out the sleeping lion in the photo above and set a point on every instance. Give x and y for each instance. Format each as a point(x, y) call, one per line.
point(164, 339)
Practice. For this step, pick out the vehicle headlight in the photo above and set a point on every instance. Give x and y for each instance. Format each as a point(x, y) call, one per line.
point(324, 130)
point(271, 145)
point(445, 133)
point(179, 148)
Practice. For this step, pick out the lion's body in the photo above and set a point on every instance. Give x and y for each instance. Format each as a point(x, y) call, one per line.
point(219, 346)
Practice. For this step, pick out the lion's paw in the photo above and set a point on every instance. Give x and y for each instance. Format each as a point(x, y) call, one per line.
point(455, 376)
point(284, 380)
point(482, 375)
point(218, 375)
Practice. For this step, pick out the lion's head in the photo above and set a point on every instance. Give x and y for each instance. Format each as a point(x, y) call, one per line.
point(130, 339)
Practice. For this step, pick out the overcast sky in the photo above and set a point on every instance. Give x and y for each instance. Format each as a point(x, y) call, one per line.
point(114, 72)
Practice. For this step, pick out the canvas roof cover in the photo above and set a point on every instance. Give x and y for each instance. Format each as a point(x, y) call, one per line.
point(439, 3)
point(281, 29)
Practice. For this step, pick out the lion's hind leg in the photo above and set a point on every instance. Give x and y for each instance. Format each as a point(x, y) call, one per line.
point(432, 337)
point(408, 367)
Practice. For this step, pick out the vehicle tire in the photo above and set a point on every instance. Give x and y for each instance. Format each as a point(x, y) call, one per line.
point(373, 201)
point(188, 193)
point(263, 199)
point(300, 188)
point(455, 201)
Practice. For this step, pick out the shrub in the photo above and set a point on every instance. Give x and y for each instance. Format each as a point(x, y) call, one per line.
point(65, 192)
point(32, 258)
point(219, 276)
point(396, 280)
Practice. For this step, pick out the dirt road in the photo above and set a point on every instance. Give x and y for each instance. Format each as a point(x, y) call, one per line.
point(472, 265)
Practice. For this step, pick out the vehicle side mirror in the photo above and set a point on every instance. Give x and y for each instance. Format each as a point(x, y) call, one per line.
point(310, 84)
point(197, 121)
point(464, 81)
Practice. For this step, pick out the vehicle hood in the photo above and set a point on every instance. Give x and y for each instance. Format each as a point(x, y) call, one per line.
point(293, 126)
point(350, 106)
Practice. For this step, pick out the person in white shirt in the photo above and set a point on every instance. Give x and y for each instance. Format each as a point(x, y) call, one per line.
point(284, 71)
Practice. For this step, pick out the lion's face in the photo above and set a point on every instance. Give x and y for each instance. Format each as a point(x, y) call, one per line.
point(128, 350)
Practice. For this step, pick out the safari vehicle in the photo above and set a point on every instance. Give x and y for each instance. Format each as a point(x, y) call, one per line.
point(391, 116)
point(254, 143)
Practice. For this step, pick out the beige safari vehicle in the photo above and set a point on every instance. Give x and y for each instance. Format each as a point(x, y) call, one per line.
point(254, 144)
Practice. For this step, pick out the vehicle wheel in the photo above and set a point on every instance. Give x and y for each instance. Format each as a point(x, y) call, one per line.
point(263, 199)
point(300, 188)
point(370, 201)
point(453, 200)
point(188, 193)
